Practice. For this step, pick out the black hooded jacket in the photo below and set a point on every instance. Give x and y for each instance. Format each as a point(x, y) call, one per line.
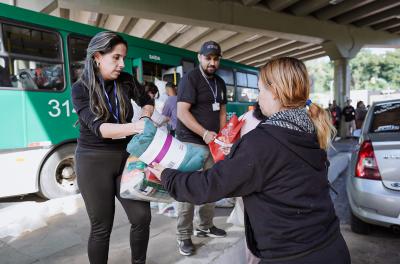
point(282, 176)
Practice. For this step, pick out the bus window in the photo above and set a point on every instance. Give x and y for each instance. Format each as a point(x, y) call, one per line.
point(230, 93)
point(241, 79)
point(226, 75)
point(34, 57)
point(247, 94)
point(252, 80)
point(77, 54)
point(5, 80)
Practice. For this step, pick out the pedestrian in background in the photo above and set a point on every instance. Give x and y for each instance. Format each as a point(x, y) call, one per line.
point(201, 111)
point(280, 169)
point(101, 98)
point(169, 109)
point(336, 115)
point(349, 118)
point(360, 113)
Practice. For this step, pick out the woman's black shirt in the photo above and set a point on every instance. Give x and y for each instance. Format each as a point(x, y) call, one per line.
point(90, 136)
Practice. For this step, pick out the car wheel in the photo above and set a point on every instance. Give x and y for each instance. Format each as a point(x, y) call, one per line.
point(358, 226)
point(57, 176)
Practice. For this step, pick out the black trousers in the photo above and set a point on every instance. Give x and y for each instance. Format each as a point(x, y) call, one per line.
point(98, 174)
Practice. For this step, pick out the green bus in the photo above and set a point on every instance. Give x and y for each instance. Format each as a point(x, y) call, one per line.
point(41, 56)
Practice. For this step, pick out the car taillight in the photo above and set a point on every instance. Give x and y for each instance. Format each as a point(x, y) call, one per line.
point(367, 167)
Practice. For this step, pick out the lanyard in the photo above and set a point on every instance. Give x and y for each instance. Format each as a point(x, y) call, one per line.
point(209, 85)
point(116, 114)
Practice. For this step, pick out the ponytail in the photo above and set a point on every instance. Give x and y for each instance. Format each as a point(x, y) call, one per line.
point(323, 125)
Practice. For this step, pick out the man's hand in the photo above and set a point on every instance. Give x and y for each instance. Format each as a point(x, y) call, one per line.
point(209, 136)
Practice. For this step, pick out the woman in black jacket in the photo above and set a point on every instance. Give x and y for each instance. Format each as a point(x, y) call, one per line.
point(101, 98)
point(280, 169)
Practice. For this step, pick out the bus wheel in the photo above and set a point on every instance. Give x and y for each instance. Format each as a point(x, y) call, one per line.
point(58, 177)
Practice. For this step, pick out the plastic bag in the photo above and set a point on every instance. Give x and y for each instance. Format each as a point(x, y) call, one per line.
point(138, 183)
point(226, 137)
point(156, 145)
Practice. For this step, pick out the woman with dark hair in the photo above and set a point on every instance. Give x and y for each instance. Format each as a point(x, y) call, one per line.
point(280, 169)
point(101, 98)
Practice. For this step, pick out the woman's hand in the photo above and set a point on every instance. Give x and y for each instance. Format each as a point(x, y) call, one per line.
point(147, 110)
point(156, 169)
point(138, 126)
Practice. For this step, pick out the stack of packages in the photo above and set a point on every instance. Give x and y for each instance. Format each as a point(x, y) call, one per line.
point(156, 145)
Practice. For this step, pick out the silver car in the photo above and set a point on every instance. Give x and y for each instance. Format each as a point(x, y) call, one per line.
point(373, 186)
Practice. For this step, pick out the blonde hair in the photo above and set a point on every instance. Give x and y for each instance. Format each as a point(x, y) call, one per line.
point(287, 78)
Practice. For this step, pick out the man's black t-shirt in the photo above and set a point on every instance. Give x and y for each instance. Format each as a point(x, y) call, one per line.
point(348, 113)
point(195, 90)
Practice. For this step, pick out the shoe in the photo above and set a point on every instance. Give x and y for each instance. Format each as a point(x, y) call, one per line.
point(186, 247)
point(211, 232)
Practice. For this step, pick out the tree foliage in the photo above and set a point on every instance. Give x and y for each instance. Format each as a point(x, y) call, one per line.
point(369, 71)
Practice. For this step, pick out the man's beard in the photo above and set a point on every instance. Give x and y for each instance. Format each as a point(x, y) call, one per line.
point(213, 70)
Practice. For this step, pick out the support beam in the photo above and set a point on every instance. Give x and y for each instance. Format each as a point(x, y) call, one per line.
point(113, 22)
point(316, 50)
point(337, 50)
point(304, 8)
point(64, 13)
point(240, 49)
point(47, 6)
point(395, 30)
point(102, 20)
point(50, 7)
point(262, 58)
point(341, 81)
point(94, 19)
point(262, 50)
point(233, 16)
point(235, 40)
point(318, 56)
point(368, 10)
point(166, 32)
point(130, 25)
point(391, 23)
point(250, 2)
point(143, 27)
point(279, 5)
point(189, 37)
point(341, 8)
point(217, 36)
point(381, 17)
point(311, 56)
point(80, 16)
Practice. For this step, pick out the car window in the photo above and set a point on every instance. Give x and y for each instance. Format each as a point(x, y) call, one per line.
point(386, 118)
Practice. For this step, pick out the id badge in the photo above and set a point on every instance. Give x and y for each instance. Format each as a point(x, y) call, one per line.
point(215, 106)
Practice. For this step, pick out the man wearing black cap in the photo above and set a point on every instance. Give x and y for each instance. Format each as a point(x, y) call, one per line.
point(201, 113)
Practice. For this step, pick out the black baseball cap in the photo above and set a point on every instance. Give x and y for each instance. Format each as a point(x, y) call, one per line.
point(210, 47)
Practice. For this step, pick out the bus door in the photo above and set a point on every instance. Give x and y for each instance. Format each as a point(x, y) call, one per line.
point(137, 69)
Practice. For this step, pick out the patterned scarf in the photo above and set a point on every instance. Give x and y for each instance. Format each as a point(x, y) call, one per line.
point(296, 119)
